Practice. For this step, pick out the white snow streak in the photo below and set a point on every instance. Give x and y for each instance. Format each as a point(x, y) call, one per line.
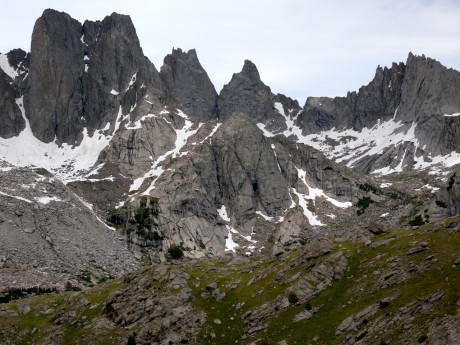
point(132, 81)
point(312, 219)
point(230, 245)
point(182, 136)
point(214, 130)
point(313, 193)
point(16, 197)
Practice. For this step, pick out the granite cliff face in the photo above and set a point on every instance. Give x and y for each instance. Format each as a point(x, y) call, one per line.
point(14, 69)
point(188, 84)
point(74, 83)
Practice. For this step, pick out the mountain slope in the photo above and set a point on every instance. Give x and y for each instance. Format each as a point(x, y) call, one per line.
point(401, 288)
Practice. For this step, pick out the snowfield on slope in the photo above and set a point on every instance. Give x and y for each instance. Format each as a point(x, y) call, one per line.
point(350, 145)
point(66, 162)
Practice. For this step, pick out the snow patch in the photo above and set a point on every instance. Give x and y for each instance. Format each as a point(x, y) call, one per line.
point(230, 245)
point(113, 92)
point(266, 132)
point(427, 186)
point(348, 145)
point(6, 67)
point(138, 123)
point(267, 218)
point(214, 130)
point(312, 219)
point(452, 115)
point(132, 81)
point(47, 199)
point(313, 193)
point(222, 212)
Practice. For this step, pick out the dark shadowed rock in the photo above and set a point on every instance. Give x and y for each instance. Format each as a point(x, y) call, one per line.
point(11, 120)
point(79, 75)
point(53, 95)
point(188, 84)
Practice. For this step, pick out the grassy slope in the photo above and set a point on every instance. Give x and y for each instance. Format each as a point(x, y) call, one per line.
point(358, 288)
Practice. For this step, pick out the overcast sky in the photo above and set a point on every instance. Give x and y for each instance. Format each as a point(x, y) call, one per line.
point(301, 47)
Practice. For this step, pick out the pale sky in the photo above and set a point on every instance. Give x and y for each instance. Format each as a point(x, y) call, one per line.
point(301, 47)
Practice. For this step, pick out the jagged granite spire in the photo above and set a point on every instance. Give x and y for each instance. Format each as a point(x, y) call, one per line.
point(246, 93)
point(188, 84)
point(73, 70)
point(377, 100)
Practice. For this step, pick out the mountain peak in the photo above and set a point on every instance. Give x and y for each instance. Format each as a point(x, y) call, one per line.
point(250, 70)
point(188, 83)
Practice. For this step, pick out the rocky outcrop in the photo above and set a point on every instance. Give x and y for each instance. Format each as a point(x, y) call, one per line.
point(414, 105)
point(53, 95)
point(188, 84)
point(160, 309)
point(14, 67)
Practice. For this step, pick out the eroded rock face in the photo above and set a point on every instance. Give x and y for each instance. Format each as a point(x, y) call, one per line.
point(53, 96)
point(15, 67)
point(419, 98)
point(188, 84)
point(75, 83)
point(254, 178)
